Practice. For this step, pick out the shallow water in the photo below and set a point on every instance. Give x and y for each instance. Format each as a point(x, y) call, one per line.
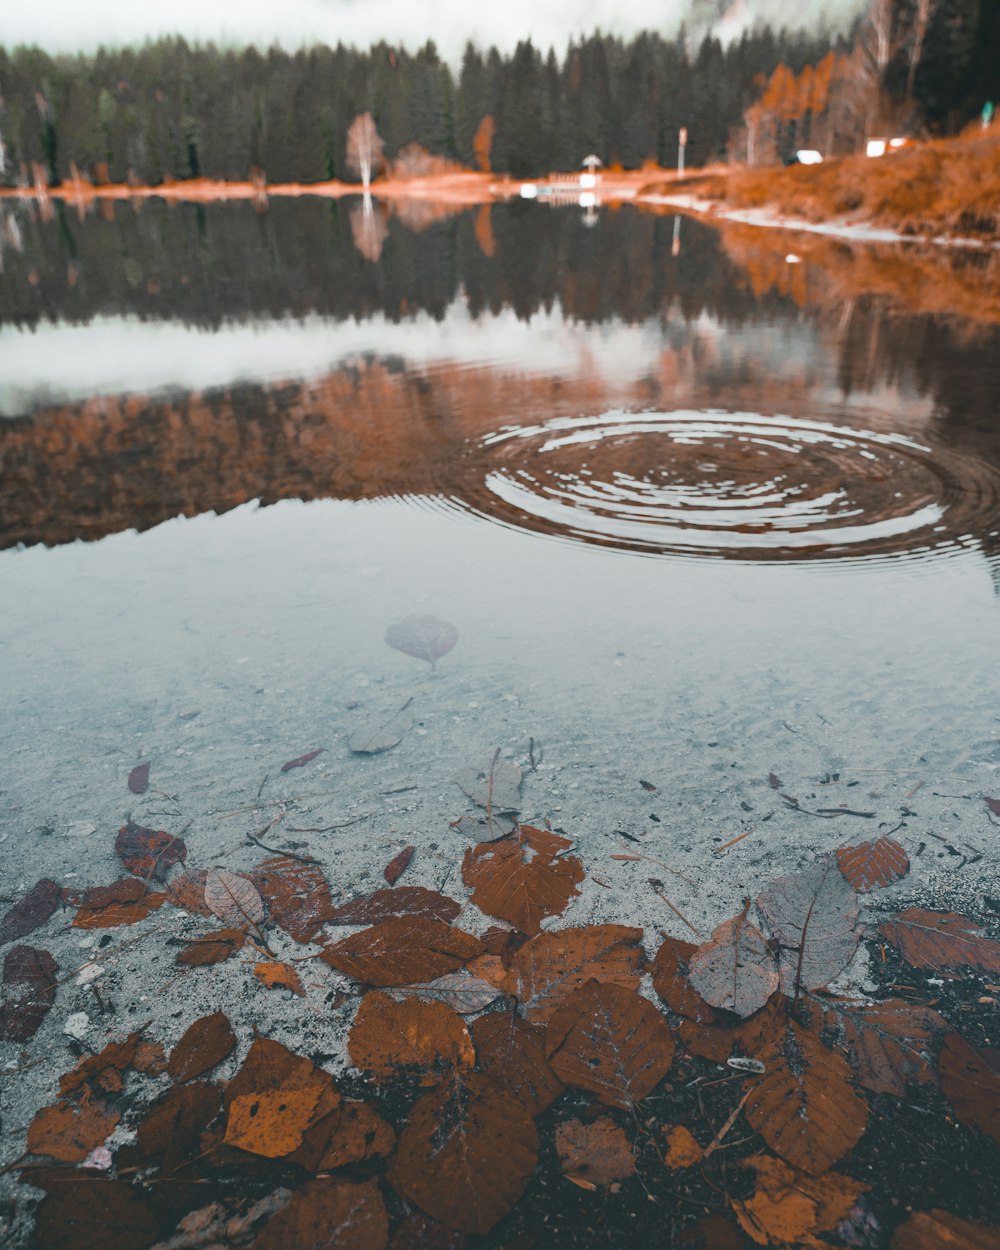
point(691, 529)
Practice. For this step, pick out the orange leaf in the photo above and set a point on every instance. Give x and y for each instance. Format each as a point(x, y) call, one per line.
point(598, 1152)
point(888, 1043)
point(70, 1131)
point(939, 1230)
point(408, 900)
point(326, 1213)
point(396, 866)
point(204, 1045)
point(297, 895)
point(789, 1207)
point(937, 939)
point(511, 1053)
point(970, 1080)
point(520, 879)
point(552, 966)
point(872, 864)
point(403, 951)
point(670, 980)
point(682, 1150)
point(610, 1040)
point(278, 976)
point(123, 902)
point(102, 1072)
point(212, 948)
point(148, 852)
point(388, 1035)
point(271, 1123)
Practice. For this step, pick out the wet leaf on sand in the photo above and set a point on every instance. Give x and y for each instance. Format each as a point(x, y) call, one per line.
point(466, 1154)
point(789, 1207)
point(477, 828)
point(407, 900)
point(599, 1153)
point(672, 984)
point(325, 1213)
point(187, 891)
point(234, 899)
point(712, 1233)
point(458, 990)
point(610, 1040)
point(939, 1230)
point(125, 901)
point(423, 637)
point(171, 1131)
point(552, 966)
point(138, 779)
point(813, 914)
point(682, 1149)
point(30, 912)
point(204, 1045)
point(352, 1133)
point(970, 1080)
point(274, 1099)
point(497, 787)
point(396, 866)
point(148, 853)
point(104, 1072)
point(871, 865)
point(297, 895)
point(521, 879)
point(420, 1232)
point(403, 951)
point(938, 939)
point(805, 1106)
point(29, 990)
point(279, 976)
point(94, 1213)
point(211, 948)
point(301, 760)
point(736, 969)
point(512, 1054)
point(389, 1035)
point(381, 732)
point(888, 1043)
point(719, 1041)
point(69, 1131)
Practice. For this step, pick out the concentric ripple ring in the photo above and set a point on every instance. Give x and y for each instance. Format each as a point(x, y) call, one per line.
point(734, 484)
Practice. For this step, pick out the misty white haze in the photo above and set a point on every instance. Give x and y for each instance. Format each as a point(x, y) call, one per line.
point(69, 26)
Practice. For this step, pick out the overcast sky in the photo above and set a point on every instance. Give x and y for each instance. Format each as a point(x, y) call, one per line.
point(81, 25)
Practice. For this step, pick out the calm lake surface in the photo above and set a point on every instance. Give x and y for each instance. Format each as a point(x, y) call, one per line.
point(720, 536)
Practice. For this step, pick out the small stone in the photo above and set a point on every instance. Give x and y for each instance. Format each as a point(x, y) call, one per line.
point(88, 973)
point(77, 1025)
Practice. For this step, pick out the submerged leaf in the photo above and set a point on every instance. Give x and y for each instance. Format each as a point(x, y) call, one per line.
point(279, 976)
point(813, 914)
point(870, 865)
point(325, 1213)
point(888, 1043)
point(29, 990)
point(736, 969)
point(510, 1052)
point(497, 787)
point(466, 1154)
point(93, 1213)
point(520, 879)
point(671, 982)
point(788, 1207)
point(547, 970)
point(940, 1230)
point(274, 1099)
point(937, 939)
point(148, 852)
point(297, 895)
point(103, 1073)
point(204, 1045)
point(69, 1131)
point(805, 1106)
point(598, 1152)
point(458, 990)
point(387, 1036)
point(381, 732)
point(423, 637)
point(301, 760)
point(30, 912)
point(396, 866)
point(403, 951)
point(682, 1149)
point(123, 902)
point(970, 1080)
point(407, 900)
point(212, 948)
point(234, 899)
point(138, 779)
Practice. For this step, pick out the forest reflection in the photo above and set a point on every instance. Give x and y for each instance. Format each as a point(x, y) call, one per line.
point(478, 362)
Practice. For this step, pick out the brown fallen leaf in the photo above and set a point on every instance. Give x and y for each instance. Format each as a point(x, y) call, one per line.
point(937, 939)
point(813, 914)
point(138, 779)
point(92, 1213)
point(774, 781)
point(671, 982)
point(358, 1134)
point(396, 866)
point(420, 1232)
point(297, 895)
point(202, 1047)
point(148, 853)
point(521, 879)
point(423, 637)
point(103, 1073)
point(736, 970)
point(301, 760)
point(149, 1059)
point(466, 1153)
point(714, 1232)
point(970, 1080)
point(125, 901)
point(30, 912)
point(211, 948)
point(805, 1106)
point(888, 1044)
point(385, 904)
point(598, 1152)
point(29, 990)
point(403, 951)
point(511, 1052)
point(682, 1149)
point(388, 1035)
point(172, 1129)
point(458, 990)
point(871, 865)
point(326, 1213)
point(552, 966)
point(187, 891)
point(719, 1041)
point(69, 1131)
point(939, 1230)
point(993, 805)
point(610, 1040)
point(234, 899)
point(789, 1207)
point(279, 976)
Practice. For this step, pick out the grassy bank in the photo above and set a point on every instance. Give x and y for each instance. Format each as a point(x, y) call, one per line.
point(946, 187)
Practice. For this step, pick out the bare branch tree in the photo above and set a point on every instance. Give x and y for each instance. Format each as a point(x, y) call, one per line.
point(364, 148)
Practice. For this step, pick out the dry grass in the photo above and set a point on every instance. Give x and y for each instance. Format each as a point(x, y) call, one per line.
point(945, 187)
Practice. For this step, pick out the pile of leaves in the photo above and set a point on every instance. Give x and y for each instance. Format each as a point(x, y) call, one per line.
point(721, 1085)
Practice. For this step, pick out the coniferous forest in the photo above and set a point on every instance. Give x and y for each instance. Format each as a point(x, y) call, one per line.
point(170, 110)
